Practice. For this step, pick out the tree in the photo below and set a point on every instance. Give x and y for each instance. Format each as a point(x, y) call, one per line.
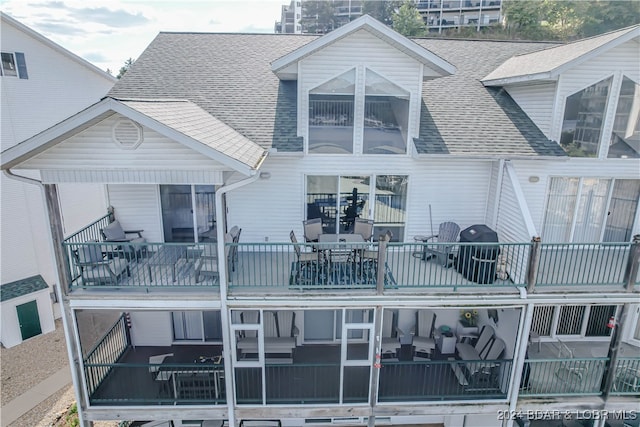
point(407, 20)
point(383, 11)
point(127, 64)
point(604, 16)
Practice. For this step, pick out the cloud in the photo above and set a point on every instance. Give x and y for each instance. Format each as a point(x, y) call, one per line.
point(95, 57)
point(113, 18)
point(54, 27)
point(49, 5)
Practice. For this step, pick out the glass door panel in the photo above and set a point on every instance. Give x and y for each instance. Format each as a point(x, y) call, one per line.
point(390, 208)
point(560, 209)
point(177, 214)
point(592, 207)
point(322, 201)
point(354, 197)
point(205, 213)
point(622, 211)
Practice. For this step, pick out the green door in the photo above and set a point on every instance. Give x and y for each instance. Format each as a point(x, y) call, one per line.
point(28, 319)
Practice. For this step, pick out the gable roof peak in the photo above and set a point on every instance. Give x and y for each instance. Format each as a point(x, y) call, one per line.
point(549, 63)
point(376, 28)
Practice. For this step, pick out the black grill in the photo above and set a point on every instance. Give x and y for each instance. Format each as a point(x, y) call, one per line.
point(478, 263)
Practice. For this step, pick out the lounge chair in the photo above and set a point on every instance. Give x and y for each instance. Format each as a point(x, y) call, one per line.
point(423, 341)
point(115, 233)
point(447, 233)
point(97, 266)
point(391, 334)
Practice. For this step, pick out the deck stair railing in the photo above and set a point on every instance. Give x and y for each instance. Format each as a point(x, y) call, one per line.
point(107, 351)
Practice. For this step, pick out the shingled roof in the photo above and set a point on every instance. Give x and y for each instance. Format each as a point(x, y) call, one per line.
point(229, 76)
point(547, 63)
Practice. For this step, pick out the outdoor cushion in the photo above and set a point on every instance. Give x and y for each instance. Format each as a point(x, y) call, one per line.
point(90, 253)
point(114, 231)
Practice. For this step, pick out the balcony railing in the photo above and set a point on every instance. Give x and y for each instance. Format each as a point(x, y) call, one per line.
point(165, 384)
point(96, 264)
point(439, 380)
point(563, 377)
point(103, 265)
point(627, 377)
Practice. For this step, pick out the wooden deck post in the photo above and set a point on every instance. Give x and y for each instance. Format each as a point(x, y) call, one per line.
point(532, 264)
point(57, 236)
point(375, 372)
point(631, 271)
point(382, 261)
point(614, 348)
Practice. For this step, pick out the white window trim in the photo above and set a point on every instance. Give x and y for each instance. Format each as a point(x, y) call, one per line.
point(15, 64)
point(358, 112)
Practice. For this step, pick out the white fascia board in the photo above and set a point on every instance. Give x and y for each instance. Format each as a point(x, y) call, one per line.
point(187, 141)
point(470, 157)
point(366, 22)
point(55, 134)
point(525, 78)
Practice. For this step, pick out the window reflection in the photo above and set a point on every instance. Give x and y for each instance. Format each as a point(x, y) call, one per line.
point(625, 137)
point(386, 116)
point(583, 118)
point(331, 115)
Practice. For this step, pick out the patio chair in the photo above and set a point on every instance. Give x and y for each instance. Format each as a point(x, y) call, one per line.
point(368, 258)
point(235, 236)
point(570, 371)
point(364, 227)
point(479, 350)
point(155, 362)
point(207, 265)
point(391, 334)
point(115, 233)
point(305, 261)
point(447, 233)
point(98, 267)
point(423, 340)
point(312, 229)
point(485, 372)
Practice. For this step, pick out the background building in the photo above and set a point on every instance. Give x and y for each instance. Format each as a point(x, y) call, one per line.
point(41, 84)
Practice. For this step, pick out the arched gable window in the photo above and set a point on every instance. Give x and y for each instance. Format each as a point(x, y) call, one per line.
point(625, 135)
point(331, 114)
point(584, 116)
point(386, 116)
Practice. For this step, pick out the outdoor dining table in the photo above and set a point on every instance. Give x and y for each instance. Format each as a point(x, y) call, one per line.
point(339, 246)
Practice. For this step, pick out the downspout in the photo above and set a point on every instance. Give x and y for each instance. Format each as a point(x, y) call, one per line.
point(526, 319)
point(61, 296)
point(222, 269)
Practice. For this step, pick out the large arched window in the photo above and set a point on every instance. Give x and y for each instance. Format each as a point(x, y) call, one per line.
point(584, 115)
point(625, 135)
point(386, 116)
point(331, 115)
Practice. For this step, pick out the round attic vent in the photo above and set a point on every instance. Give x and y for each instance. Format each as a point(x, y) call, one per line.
point(127, 134)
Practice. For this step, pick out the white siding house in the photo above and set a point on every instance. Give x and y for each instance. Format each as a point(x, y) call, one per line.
point(354, 229)
point(46, 85)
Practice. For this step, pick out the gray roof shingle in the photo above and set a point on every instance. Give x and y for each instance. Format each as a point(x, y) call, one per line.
point(229, 76)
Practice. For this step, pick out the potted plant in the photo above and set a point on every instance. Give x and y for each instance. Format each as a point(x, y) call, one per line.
point(468, 323)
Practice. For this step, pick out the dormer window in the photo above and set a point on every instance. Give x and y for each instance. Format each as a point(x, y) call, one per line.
point(584, 116)
point(386, 116)
point(625, 136)
point(331, 115)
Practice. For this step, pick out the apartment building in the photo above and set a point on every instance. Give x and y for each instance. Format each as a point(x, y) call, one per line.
point(447, 14)
point(354, 228)
point(307, 17)
point(28, 274)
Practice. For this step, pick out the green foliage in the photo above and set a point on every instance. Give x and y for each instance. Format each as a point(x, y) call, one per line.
point(408, 22)
point(383, 11)
point(318, 17)
point(127, 64)
point(566, 20)
point(71, 418)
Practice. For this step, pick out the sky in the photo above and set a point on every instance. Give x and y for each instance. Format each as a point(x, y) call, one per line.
point(107, 33)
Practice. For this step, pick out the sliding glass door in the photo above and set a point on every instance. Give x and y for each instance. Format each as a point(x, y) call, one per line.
point(586, 210)
point(339, 200)
point(188, 213)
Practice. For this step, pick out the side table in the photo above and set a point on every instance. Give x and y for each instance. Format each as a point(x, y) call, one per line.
point(446, 345)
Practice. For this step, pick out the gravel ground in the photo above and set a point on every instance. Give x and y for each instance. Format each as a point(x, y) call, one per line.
point(31, 362)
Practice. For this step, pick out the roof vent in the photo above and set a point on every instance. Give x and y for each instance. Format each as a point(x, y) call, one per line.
point(127, 134)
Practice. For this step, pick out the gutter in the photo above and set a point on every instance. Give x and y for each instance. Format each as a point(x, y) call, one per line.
point(65, 322)
point(222, 277)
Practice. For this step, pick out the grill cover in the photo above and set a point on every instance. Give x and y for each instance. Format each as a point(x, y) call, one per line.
point(478, 263)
